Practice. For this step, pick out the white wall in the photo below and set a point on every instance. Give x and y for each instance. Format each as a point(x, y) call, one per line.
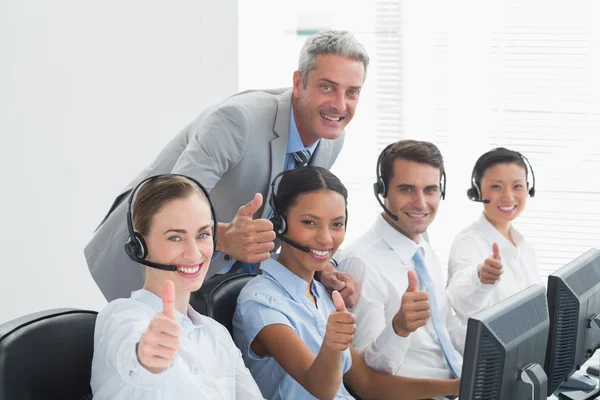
point(89, 93)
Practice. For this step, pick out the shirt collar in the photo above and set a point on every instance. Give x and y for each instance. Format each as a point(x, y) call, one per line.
point(492, 234)
point(155, 302)
point(292, 283)
point(294, 141)
point(402, 245)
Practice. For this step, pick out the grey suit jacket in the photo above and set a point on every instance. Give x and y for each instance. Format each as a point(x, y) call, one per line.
point(234, 149)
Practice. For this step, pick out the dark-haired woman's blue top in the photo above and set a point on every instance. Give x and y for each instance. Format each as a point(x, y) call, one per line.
point(278, 296)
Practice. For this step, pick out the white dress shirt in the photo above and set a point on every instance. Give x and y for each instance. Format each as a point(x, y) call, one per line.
point(469, 251)
point(208, 365)
point(380, 261)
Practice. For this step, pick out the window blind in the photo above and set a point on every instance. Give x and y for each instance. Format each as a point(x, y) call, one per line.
point(528, 76)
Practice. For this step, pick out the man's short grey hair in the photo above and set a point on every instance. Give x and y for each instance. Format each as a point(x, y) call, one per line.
point(341, 43)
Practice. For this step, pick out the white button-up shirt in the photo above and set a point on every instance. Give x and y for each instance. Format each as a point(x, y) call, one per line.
point(208, 365)
point(380, 261)
point(469, 251)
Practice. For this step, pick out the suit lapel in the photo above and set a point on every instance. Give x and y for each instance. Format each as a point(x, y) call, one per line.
point(322, 154)
point(279, 143)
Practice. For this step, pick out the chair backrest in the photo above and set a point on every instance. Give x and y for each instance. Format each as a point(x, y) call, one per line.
point(217, 297)
point(47, 355)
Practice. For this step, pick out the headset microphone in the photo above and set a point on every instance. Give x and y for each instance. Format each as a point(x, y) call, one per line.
point(474, 193)
point(292, 243)
point(131, 253)
point(136, 249)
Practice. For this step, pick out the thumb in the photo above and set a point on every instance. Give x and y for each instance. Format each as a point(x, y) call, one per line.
point(248, 210)
point(168, 298)
point(338, 301)
point(413, 282)
point(496, 250)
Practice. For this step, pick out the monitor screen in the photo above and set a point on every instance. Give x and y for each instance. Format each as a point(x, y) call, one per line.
point(573, 302)
point(505, 349)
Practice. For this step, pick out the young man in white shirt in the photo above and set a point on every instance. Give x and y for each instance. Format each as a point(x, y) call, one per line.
point(404, 321)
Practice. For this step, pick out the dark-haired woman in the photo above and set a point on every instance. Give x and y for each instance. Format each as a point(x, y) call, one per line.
point(490, 260)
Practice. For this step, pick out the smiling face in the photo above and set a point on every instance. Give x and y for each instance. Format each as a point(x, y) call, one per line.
point(413, 196)
point(316, 220)
point(505, 186)
point(326, 104)
point(180, 234)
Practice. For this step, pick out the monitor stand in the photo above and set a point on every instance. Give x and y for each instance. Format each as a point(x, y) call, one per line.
point(594, 323)
point(579, 381)
point(534, 376)
point(579, 394)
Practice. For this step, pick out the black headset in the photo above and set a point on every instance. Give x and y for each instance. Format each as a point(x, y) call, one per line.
point(380, 188)
point(474, 192)
point(136, 247)
point(278, 219)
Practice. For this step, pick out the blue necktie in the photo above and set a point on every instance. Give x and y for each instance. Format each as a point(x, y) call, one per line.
point(438, 323)
point(301, 157)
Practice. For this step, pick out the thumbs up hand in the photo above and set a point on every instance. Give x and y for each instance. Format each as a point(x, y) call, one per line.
point(247, 239)
point(491, 269)
point(168, 299)
point(157, 348)
point(340, 325)
point(414, 309)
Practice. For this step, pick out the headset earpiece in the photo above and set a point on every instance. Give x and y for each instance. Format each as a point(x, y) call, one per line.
point(140, 245)
point(471, 193)
point(532, 190)
point(474, 193)
point(130, 249)
point(443, 185)
point(279, 224)
point(278, 220)
point(380, 187)
point(137, 246)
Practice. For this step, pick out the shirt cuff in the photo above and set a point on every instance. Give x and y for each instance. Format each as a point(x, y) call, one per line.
point(391, 347)
point(482, 288)
point(136, 375)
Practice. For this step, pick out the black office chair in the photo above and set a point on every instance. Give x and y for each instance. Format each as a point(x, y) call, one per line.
point(217, 297)
point(47, 355)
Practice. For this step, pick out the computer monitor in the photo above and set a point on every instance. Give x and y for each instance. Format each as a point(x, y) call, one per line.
point(505, 349)
point(574, 307)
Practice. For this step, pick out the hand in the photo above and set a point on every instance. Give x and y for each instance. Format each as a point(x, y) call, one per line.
point(492, 267)
point(246, 239)
point(158, 346)
point(414, 309)
point(340, 325)
point(333, 279)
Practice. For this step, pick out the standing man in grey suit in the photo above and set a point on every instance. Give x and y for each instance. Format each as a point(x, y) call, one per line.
point(236, 148)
